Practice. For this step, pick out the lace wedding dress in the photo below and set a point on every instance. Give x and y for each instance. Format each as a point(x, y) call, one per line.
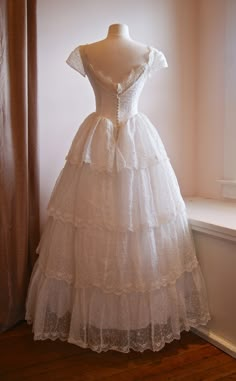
point(117, 267)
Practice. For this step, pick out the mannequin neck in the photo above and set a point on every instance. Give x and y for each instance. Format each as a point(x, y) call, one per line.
point(118, 31)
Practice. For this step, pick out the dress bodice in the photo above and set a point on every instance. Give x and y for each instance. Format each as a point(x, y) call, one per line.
point(117, 101)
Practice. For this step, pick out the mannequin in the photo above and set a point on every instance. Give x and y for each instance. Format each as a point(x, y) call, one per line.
point(118, 30)
point(117, 54)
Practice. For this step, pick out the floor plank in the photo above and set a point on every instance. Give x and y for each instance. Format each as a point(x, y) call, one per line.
point(191, 358)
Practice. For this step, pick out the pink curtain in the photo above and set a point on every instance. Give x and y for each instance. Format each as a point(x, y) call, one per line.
point(19, 210)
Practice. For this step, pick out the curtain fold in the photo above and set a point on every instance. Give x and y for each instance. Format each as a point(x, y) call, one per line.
point(19, 211)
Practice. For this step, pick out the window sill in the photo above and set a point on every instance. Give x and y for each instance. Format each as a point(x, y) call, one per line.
point(213, 217)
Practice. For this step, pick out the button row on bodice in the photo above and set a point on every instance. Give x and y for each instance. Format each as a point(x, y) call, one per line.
point(117, 113)
point(116, 105)
point(117, 108)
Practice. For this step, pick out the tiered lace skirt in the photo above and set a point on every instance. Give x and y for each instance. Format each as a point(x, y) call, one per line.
point(117, 267)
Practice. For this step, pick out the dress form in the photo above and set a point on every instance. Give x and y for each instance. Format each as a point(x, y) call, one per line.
point(117, 54)
point(118, 30)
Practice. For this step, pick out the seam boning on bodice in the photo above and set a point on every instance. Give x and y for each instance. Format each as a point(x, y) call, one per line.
point(134, 74)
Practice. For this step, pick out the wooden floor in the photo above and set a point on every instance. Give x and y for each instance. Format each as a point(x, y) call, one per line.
point(191, 358)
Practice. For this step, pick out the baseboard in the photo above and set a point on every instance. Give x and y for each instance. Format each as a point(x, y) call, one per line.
point(216, 340)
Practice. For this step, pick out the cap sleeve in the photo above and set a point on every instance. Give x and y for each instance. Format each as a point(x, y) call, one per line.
point(75, 61)
point(158, 60)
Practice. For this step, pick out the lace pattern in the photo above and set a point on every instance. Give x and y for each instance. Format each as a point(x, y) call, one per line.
point(137, 146)
point(157, 61)
point(75, 61)
point(117, 261)
point(101, 340)
point(73, 200)
point(117, 267)
point(133, 321)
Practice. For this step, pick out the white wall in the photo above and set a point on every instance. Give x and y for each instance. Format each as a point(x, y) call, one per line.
point(210, 105)
point(65, 98)
point(218, 262)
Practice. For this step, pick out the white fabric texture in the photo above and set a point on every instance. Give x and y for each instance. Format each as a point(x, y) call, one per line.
point(75, 61)
point(117, 267)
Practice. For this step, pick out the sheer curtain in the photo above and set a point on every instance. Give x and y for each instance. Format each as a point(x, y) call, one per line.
point(19, 210)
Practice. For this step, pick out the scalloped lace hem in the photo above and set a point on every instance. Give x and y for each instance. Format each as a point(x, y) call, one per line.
point(92, 318)
point(146, 335)
point(68, 218)
point(166, 281)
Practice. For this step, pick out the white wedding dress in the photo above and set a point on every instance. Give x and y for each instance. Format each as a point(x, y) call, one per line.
point(117, 267)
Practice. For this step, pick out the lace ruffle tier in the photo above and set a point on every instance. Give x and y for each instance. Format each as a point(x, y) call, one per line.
point(117, 267)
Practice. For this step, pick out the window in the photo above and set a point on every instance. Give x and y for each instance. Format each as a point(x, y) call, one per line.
point(229, 181)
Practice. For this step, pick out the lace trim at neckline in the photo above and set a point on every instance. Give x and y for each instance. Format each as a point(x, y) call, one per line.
point(129, 80)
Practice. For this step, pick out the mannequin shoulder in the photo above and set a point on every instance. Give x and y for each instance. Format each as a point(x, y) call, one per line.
point(138, 47)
